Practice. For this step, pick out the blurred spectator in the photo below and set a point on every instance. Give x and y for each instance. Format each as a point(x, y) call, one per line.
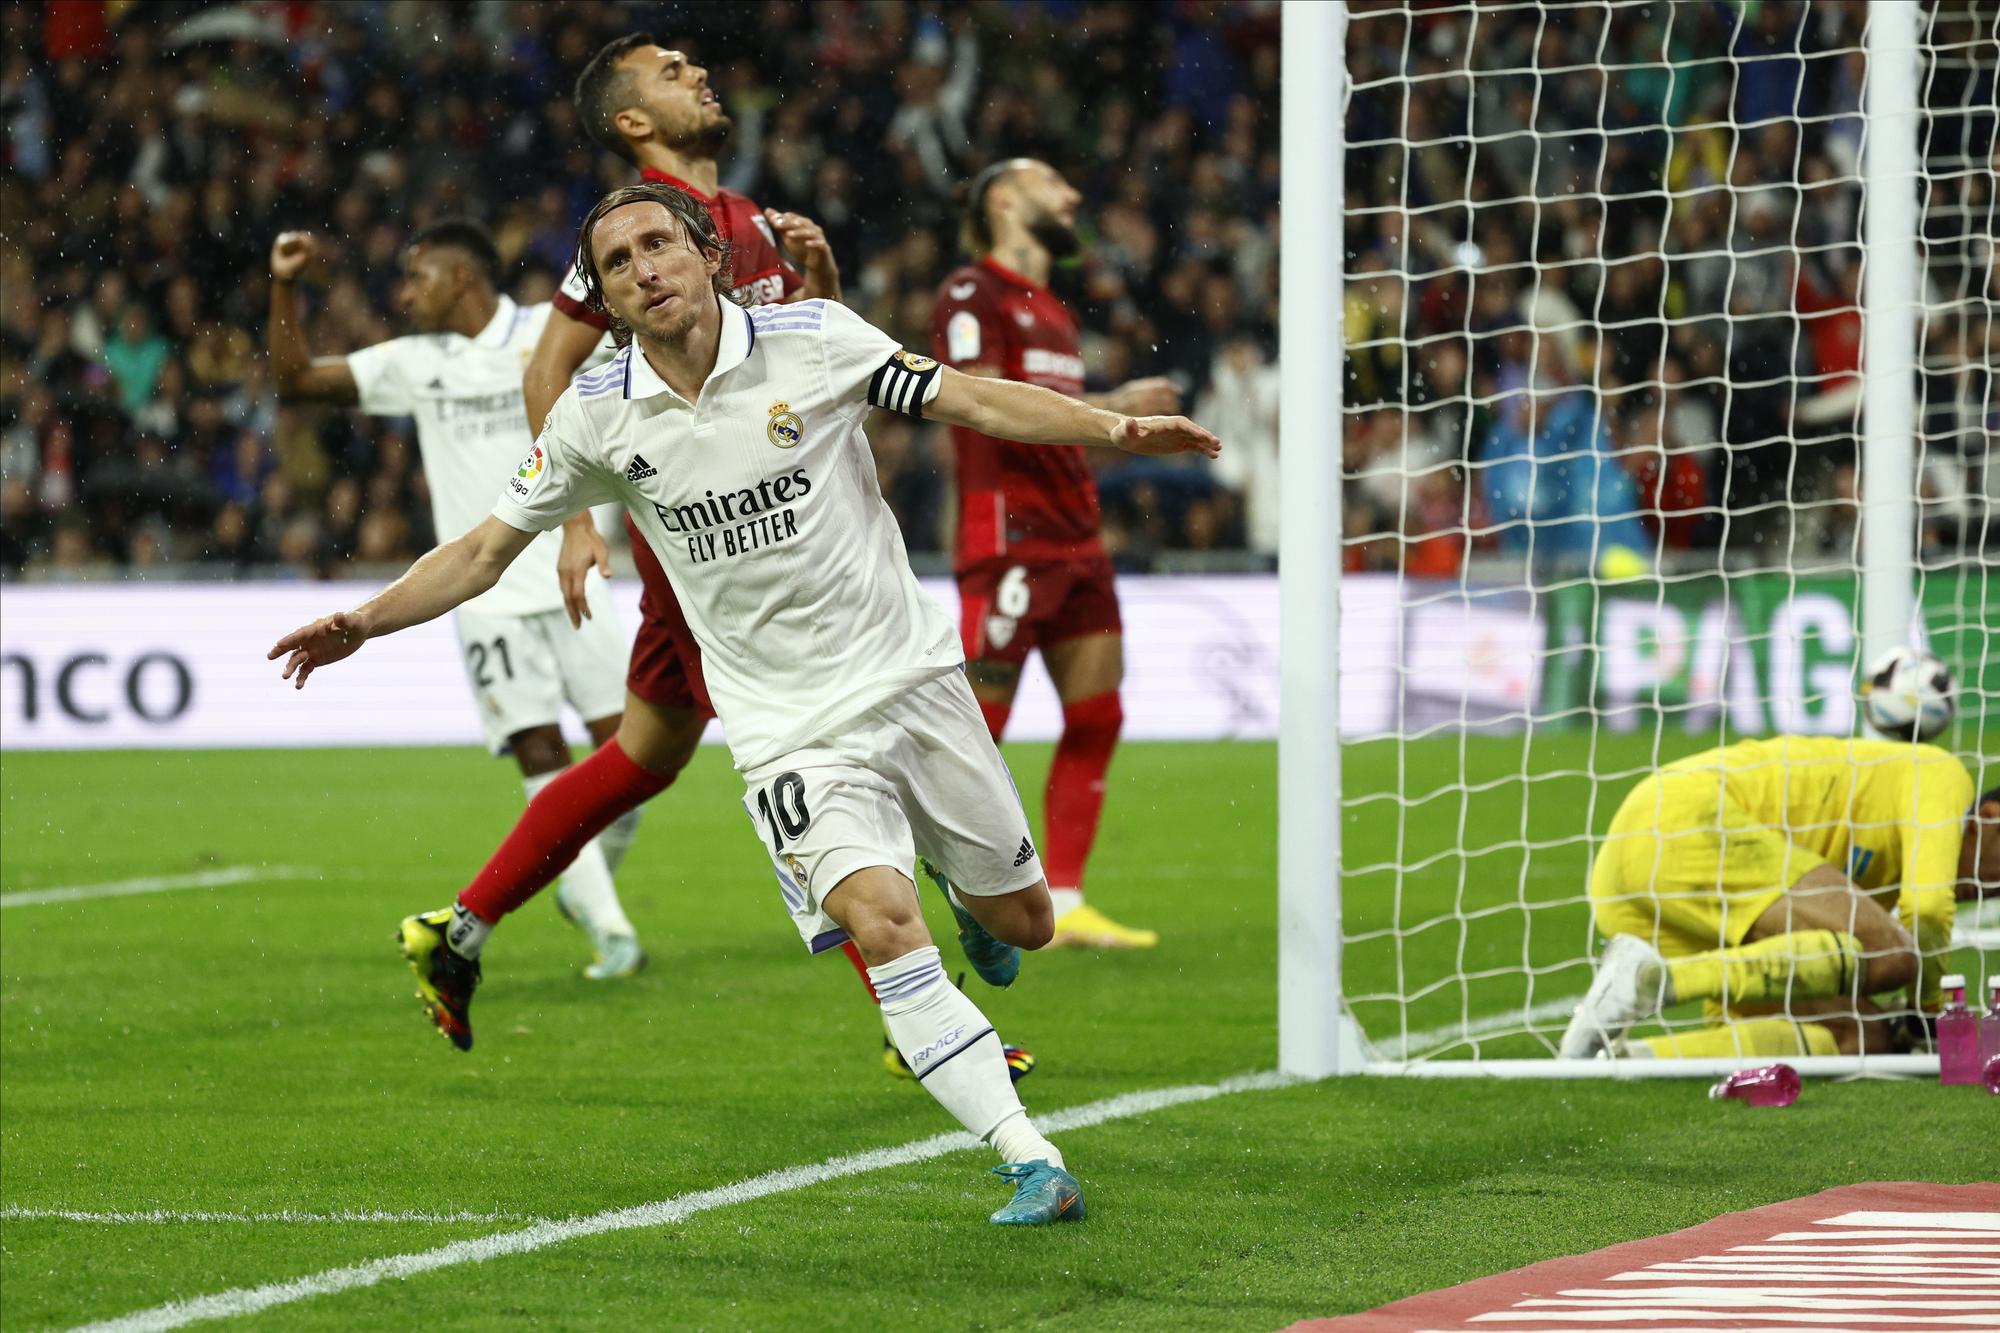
point(1672, 484)
point(136, 355)
point(1241, 407)
point(1554, 486)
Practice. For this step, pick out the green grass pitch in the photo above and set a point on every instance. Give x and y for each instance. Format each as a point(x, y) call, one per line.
point(255, 1049)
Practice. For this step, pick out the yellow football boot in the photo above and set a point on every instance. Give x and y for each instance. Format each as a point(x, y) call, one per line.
point(1087, 928)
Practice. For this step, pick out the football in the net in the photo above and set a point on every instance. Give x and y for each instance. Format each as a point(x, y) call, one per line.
point(1908, 695)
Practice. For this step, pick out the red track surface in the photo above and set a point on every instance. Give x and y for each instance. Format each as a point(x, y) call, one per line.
point(1883, 1257)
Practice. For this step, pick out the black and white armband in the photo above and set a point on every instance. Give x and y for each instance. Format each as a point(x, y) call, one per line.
point(904, 383)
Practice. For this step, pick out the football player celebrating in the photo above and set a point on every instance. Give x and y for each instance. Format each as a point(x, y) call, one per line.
point(1783, 880)
point(734, 438)
point(459, 377)
point(652, 106)
point(1032, 570)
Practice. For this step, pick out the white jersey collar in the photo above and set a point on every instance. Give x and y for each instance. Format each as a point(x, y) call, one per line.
point(501, 327)
point(731, 350)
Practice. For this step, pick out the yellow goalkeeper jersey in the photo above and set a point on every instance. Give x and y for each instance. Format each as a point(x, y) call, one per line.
point(1889, 813)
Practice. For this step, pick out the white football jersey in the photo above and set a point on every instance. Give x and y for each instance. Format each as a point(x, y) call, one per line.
point(465, 394)
point(761, 501)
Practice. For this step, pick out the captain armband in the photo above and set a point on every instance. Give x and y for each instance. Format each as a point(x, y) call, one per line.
point(904, 383)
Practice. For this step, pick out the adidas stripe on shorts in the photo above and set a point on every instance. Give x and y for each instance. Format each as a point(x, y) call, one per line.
point(916, 776)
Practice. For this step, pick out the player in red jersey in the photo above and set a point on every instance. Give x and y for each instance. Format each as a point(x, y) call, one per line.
point(652, 106)
point(1032, 570)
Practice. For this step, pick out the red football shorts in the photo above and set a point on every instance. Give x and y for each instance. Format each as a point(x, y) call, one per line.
point(666, 663)
point(1007, 608)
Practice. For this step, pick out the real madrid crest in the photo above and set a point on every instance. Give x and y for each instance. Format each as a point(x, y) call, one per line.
point(784, 429)
point(915, 364)
point(798, 869)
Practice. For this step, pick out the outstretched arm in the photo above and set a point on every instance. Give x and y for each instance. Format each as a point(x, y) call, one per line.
point(1151, 397)
point(293, 369)
point(450, 574)
point(1010, 410)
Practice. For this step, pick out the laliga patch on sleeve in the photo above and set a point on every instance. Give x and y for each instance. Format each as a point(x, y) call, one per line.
point(961, 337)
point(522, 483)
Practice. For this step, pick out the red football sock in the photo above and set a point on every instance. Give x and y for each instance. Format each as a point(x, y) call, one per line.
point(564, 815)
point(861, 966)
point(996, 717)
point(1075, 793)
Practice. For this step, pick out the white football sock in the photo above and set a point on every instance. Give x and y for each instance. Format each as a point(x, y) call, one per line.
point(586, 889)
point(466, 935)
point(955, 1054)
point(1017, 1140)
point(617, 839)
point(1065, 900)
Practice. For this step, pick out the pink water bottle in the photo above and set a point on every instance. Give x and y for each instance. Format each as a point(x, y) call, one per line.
point(1989, 1024)
point(1957, 1036)
point(1771, 1085)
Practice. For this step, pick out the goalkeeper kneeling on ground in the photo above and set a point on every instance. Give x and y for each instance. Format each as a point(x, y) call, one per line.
point(1787, 884)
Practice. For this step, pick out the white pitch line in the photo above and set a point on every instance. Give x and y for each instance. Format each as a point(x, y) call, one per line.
point(167, 1215)
point(1885, 1233)
point(1430, 1039)
point(250, 1300)
point(1651, 1315)
point(1885, 1247)
point(126, 888)
point(1979, 927)
point(1982, 1221)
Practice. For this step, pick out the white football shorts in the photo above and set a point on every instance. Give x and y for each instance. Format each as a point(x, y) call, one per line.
point(915, 776)
point(522, 668)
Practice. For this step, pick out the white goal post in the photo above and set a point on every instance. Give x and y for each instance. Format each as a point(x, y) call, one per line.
point(1638, 386)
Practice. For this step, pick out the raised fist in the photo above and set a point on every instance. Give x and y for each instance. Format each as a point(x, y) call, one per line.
point(290, 254)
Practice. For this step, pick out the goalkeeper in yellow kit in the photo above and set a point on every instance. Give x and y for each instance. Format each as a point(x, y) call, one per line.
point(1783, 883)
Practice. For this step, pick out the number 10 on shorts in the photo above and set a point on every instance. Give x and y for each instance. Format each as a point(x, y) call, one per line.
point(782, 808)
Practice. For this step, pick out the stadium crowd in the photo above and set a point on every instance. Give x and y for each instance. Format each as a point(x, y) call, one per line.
point(1604, 288)
point(152, 152)
point(1540, 334)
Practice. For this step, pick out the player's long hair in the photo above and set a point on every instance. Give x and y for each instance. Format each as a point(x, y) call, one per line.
point(975, 224)
point(695, 222)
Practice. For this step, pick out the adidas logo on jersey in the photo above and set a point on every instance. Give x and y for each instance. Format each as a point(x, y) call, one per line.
point(1025, 855)
point(639, 469)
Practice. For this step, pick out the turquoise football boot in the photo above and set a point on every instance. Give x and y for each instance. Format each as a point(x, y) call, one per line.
point(997, 964)
point(1042, 1194)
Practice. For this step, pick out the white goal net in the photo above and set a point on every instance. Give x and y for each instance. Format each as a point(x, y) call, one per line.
point(1613, 456)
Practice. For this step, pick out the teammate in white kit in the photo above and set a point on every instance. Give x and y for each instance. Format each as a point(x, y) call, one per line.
point(460, 378)
point(734, 437)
